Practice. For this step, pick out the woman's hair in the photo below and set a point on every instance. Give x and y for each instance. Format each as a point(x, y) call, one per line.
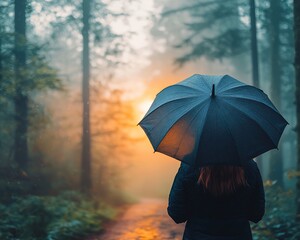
point(220, 180)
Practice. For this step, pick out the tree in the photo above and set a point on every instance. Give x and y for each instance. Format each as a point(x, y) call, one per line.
point(86, 182)
point(228, 35)
point(21, 96)
point(254, 49)
point(216, 31)
point(90, 28)
point(32, 72)
point(232, 40)
point(276, 167)
point(113, 141)
point(254, 57)
point(281, 73)
point(25, 72)
point(297, 70)
point(88, 23)
point(103, 46)
point(6, 81)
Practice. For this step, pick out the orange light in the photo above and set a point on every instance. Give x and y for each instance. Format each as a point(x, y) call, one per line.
point(143, 107)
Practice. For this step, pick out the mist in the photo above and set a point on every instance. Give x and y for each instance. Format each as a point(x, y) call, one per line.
point(77, 77)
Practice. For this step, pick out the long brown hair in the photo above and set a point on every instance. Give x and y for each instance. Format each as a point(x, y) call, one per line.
point(220, 180)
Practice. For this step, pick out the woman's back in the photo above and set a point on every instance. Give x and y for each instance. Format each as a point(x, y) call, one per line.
point(210, 216)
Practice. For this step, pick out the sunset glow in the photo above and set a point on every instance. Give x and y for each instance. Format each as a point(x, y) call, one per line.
point(144, 106)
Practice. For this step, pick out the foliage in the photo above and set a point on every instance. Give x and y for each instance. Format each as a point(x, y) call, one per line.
point(38, 75)
point(67, 216)
point(279, 220)
point(215, 30)
point(215, 47)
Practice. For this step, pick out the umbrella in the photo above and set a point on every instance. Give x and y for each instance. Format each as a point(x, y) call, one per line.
point(210, 120)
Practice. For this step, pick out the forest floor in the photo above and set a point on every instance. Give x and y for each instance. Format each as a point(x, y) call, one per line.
point(145, 220)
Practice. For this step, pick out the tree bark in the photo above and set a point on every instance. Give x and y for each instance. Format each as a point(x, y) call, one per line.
point(21, 95)
point(86, 182)
point(297, 74)
point(1, 56)
point(254, 59)
point(254, 50)
point(276, 165)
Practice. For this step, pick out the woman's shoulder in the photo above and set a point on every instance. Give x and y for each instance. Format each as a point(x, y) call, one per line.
point(251, 171)
point(186, 169)
point(187, 172)
point(251, 165)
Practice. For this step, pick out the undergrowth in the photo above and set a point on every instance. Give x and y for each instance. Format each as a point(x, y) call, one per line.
point(67, 216)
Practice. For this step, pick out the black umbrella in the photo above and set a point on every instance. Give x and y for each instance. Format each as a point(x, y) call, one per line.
point(207, 120)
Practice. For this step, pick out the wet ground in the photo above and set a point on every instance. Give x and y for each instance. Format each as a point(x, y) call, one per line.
point(146, 220)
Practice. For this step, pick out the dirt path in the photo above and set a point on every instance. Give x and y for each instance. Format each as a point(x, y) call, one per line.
point(147, 220)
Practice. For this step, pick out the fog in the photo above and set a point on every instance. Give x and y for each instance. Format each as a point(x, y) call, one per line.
point(77, 77)
point(132, 59)
point(136, 48)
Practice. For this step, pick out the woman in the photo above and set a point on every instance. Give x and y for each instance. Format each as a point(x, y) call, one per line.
point(217, 202)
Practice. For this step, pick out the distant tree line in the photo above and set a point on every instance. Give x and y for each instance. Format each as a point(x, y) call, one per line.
point(27, 72)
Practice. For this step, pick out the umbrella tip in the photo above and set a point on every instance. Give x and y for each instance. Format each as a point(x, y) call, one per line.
point(213, 91)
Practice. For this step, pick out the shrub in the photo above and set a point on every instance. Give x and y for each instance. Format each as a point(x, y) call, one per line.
point(67, 216)
point(279, 221)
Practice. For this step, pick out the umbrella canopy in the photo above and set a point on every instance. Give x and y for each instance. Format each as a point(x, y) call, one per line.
point(211, 120)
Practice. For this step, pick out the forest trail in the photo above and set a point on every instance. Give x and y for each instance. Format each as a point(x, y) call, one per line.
point(146, 220)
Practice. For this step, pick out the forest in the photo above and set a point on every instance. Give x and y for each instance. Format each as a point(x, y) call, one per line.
point(76, 77)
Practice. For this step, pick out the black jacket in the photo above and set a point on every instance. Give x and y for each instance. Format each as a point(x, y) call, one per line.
point(216, 218)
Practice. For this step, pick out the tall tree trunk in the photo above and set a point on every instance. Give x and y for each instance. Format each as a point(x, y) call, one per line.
point(297, 73)
point(239, 61)
point(21, 96)
point(1, 42)
point(1, 56)
point(86, 182)
point(276, 164)
point(254, 59)
point(254, 50)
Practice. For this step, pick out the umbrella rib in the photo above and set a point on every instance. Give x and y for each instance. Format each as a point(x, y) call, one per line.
point(206, 83)
point(258, 102)
point(250, 99)
point(197, 89)
point(180, 85)
point(174, 100)
point(222, 79)
point(224, 120)
point(186, 130)
point(147, 131)
point(199, 139)
point(178, 120)
point(245, 114)
point(240, 86)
